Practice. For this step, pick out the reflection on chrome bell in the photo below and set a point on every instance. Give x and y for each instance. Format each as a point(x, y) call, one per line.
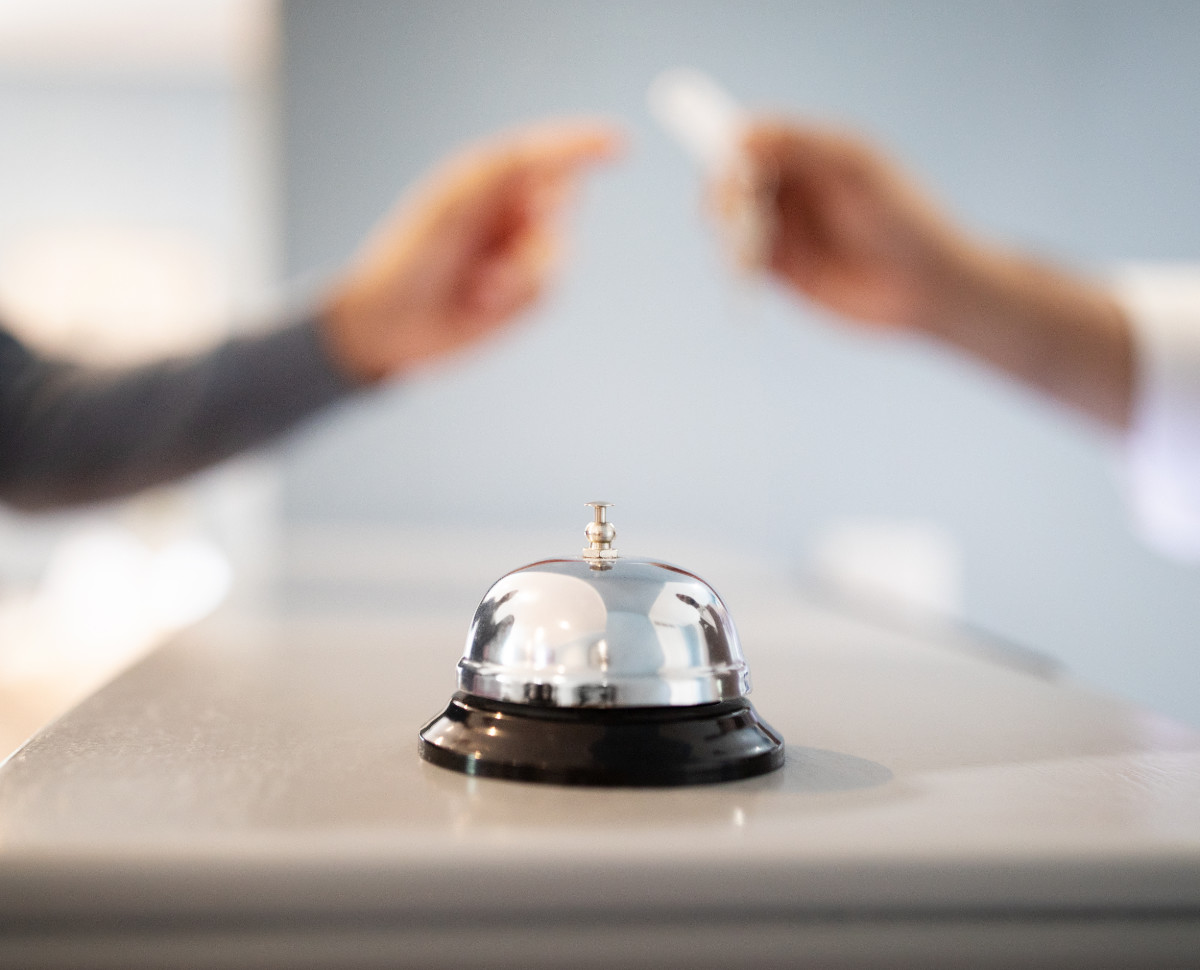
point(600, 669)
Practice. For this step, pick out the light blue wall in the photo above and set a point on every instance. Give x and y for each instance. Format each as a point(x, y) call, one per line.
point(125, 151)
point(1073, 128)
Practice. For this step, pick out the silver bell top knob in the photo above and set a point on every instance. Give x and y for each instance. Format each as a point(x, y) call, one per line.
point(600, 533)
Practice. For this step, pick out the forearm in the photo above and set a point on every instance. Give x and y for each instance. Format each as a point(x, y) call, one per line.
point(1054, 332)
point(71, 434)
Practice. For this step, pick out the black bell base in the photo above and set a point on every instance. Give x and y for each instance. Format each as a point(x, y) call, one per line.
point(633, 747)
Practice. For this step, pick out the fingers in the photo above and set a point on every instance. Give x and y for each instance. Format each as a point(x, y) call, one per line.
point(508, 206)
point(501, 286)
point(496, 194)
point(810, 151)
point(564, 146)
point(544, 154)
point(775, 200)
point(753, 200)
point(538, 171)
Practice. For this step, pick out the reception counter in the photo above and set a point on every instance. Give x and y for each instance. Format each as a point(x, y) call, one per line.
point(250, 795)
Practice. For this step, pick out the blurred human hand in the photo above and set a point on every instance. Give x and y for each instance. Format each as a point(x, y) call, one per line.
point(464, 252)
point(847, 228)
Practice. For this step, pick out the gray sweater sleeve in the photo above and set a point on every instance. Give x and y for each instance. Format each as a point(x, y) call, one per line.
point(71, 434)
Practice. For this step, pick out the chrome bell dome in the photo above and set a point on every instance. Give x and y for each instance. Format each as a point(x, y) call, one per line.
point(602, 669)
point(600, 630)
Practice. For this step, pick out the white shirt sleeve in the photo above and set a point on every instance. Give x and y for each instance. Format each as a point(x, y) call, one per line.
point(1163, 446)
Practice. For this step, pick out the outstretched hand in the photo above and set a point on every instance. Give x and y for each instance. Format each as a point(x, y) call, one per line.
point(847, 229)
point(850, 231)
point(463, 253)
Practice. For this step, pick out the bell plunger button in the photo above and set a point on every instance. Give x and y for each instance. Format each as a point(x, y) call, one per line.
point(600, 533)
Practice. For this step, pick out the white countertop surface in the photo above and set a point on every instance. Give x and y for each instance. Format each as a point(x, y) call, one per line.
point(251, 795)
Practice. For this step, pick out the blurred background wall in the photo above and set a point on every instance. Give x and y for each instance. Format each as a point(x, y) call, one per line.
point(164, 162)
point(135, 221)
point(734, 414)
